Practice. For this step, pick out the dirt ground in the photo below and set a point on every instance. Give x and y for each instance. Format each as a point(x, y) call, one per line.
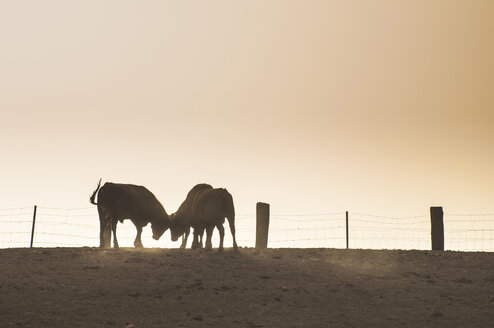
point(90, 287)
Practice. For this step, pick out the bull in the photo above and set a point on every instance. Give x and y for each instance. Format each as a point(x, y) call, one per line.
point(181, 218)
point(118, 202)
point(208, 209)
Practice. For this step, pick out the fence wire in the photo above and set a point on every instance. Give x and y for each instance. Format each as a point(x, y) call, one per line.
point(79, 227)
point(469, 232)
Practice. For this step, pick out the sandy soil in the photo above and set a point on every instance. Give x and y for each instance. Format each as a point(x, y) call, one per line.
point(89, 287)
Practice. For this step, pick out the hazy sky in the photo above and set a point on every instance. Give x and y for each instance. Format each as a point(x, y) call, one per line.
point(312, 106)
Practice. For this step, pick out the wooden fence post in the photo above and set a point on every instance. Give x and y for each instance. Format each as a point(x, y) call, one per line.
point(34, 223)
point(347, 239)
point(437, 228)
point(262, 225)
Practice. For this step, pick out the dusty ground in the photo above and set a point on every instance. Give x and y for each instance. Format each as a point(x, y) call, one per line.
point(89, 287)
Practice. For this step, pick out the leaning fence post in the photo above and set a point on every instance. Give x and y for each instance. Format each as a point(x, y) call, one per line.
point(347, 243)
point(262, 225)
point(437, 228)
point(34, 223)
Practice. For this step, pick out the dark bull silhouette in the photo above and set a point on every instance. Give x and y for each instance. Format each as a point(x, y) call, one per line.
point(207, 209)
point(118, 202)
point(182, 216)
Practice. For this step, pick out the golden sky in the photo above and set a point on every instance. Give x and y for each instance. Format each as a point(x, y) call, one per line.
point(378, 106)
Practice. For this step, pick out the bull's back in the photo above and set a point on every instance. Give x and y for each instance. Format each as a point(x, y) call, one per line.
point(132, 200)
point(185, 208)
point(213, 204)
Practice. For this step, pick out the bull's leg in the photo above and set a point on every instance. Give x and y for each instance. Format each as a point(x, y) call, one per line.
point(138, 242)
point(184, 240)
point(195, 242)
point(209, 234)
point(222, 235)
point(114, 229)
point(185, 236)
point(200, 238)
point(200, 234)
point(101, 233)
point(104, 231)
point(231, 223)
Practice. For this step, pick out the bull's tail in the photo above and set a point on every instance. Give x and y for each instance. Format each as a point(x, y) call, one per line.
point(231, 216)
point(93, 196)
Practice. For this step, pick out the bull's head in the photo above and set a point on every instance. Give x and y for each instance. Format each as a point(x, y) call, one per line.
point(159, 228)
point(177, 227)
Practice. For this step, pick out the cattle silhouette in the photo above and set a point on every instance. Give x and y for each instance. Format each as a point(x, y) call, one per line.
point(207, 210)
point(118, 202)
point(182, 216)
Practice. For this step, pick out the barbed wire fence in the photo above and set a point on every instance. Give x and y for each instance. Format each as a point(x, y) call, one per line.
point(412, 232)
point(15, 226)
point(79, 227)
point(469, 232)
point(307, 230)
